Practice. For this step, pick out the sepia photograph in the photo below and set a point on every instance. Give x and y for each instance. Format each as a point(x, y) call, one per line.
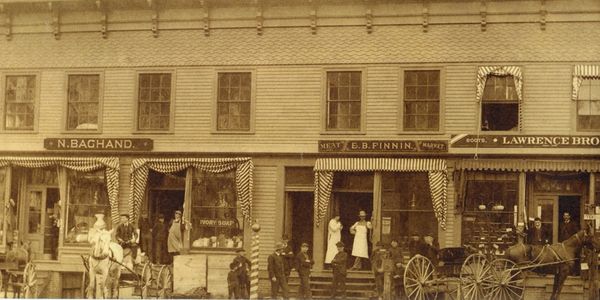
point(300, 149)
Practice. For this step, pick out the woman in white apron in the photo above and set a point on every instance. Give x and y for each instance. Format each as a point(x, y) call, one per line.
point(333, 236)
point(360, 247)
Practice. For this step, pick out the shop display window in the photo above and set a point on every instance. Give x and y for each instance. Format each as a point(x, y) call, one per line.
point(407, 214)
point(87, 197)
point(216, 217)
point(490, 213)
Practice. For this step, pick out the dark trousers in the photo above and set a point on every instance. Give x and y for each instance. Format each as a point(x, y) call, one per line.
point(339, 284)
point(379, 284)
point(280, 283)
point(244, 286)
point(159, 255)
point(234, 292)
point(304, 289)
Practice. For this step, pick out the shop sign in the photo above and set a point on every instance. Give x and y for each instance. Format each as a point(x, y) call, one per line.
point(217, 222)
point(115, 144)
point(524, 141)
point(386, 225)
point(385, 146)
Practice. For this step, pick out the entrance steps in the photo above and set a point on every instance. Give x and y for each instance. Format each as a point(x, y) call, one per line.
point(540, 287)
point(359, 284)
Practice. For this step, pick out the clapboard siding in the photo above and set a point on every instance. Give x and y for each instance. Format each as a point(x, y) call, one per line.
point(124, 184)
point(264, 209)
point(461, 107)
point(119, 99)
point(382, 101)
point(51, 102)
point(193, 103)
point(448, 238)
point(547, 96)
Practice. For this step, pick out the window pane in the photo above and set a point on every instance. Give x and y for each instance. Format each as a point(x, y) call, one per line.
point(154, 101)
point(422, 97)
point(233, 101)
point(83, 102)
point(87, 197)
point(345, 89)
point(20, 99)
point(499, 116)
point(217, 221)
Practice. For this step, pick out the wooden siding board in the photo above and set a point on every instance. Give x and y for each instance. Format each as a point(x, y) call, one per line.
point(264, 209)
point(51, 102)
point(460, 105)
point(119, 99)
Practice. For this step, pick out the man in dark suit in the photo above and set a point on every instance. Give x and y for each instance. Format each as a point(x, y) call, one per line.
point(126, 236)
point(339, 271)
point(276, 269)
point(303, 264)
point(538, 235)
point(567, 227)
point(159, 233)
point(243, 267)
point(288, 256)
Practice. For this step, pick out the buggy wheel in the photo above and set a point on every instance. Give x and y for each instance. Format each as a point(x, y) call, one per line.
point(475, 277)
point(146, 279)
point(418, 279)
point(507, 282)
point(30, 281)
point(165, 282)
point(84, 283)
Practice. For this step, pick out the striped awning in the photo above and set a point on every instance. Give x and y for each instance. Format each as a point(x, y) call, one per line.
point(581, 72)
point(82, 164)
point(436, 169)
point(529, 165)
point(243, 166)
point(484, 72)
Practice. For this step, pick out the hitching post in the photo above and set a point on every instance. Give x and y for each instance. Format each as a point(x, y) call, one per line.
point(254, 261)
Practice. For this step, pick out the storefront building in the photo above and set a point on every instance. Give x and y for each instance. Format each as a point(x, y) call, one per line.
point(434, 118)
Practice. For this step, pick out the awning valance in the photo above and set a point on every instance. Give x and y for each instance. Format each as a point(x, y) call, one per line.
point(581, 72)
point(83, 164)
point(529, 165)
point(435, 168)
point(514, 71)
point(243, 166)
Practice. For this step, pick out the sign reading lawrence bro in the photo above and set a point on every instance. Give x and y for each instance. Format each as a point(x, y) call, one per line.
point(525, 141)
point(117, 144)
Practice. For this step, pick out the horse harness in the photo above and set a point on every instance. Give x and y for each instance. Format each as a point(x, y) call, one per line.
point(555, 253)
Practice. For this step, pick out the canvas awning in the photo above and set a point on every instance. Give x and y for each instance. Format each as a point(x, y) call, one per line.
point(528, 165)
point(83, 164)
point(243, 166)
point(435, 168)
point(581, 72)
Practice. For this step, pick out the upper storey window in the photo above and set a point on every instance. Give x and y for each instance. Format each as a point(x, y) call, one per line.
point(154, 102)
point(499, 94)
point(586, 93)
point(83, 102)
point(344, 100)
point(421, 100)
point(20, 96)
point(234, 101)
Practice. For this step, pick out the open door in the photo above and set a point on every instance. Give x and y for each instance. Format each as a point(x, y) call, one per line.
point(32, 214)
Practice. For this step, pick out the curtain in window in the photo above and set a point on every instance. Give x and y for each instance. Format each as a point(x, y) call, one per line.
point(582, 72)
point(84, 164)
point(243, 166)
point(486, 71)
point(436, 168)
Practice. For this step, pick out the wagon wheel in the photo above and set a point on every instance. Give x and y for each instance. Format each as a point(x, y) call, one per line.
point(475, 277)
point(1, 281)
point(146, 279)
point(30, 281)
point(84, 283)
point(507, 282)
point(418, 279)
point(165, 282)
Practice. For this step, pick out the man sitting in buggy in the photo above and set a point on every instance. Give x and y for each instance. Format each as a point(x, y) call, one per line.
point(126, 236)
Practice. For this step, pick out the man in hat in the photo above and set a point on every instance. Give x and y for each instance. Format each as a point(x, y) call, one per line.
point(126, 236)
point(303, 264)
point(360, 247)
point(159, 233)
point(175, 238)
point(567, 228)
point(276, 269)
point(536, 234)
point(379, 253)
point(338, 265)
point(288, 256)
point(243, 267)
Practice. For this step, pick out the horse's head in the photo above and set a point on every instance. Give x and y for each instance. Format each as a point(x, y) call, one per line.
point(101, 243)
point(588, 239)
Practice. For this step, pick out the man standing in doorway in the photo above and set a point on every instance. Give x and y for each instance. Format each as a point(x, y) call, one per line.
point(303, 265)
point(159, 232)
point(175, 238)
point(537, 235)
point(567, 227)
point(288, 256)
point(276, 269)
point(338, 264)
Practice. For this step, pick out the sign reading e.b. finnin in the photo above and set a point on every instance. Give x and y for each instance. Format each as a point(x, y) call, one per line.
point(388, 146)
point(525, 141)
point(116, 144)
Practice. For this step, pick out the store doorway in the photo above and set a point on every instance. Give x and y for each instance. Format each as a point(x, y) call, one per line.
point(39, 214)
point(165, 202)
point(299, 219)
point(572, 205)
point(349, 204)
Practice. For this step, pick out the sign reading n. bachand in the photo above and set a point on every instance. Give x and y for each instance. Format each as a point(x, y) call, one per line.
point(525, 141)
point(116, 144)
point(401, 146)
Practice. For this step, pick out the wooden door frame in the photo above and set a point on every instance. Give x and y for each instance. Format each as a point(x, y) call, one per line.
point(24, 214)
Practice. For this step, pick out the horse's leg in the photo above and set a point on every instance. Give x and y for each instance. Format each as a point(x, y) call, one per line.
point(559, 280)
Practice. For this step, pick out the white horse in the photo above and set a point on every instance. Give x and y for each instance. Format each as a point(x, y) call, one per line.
point(104, 266)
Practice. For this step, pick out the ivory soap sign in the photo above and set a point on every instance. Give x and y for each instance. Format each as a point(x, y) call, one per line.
point(104, 144)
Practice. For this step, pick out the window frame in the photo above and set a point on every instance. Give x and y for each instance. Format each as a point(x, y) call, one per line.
point(100, 101)
point(215, 101)
point(36, 102)
point(442, 100)
point(519, 109)
point(136, 100)
point(576, 113)
point(325, 98)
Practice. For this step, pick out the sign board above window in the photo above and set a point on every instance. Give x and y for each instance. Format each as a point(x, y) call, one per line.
point(114, 144)
point(525, 141)
point(399, 146)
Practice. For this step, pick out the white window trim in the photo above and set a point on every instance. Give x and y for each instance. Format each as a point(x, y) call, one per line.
point(36, 102)
point(215, 102)
point(171, 129)
point(442, 107)
point(100, 102)
point(479, 103)
point(363, 101)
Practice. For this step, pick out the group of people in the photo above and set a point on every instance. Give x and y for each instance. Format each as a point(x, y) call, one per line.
point(360, 246)
point(540, 235)
point(161, 242)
